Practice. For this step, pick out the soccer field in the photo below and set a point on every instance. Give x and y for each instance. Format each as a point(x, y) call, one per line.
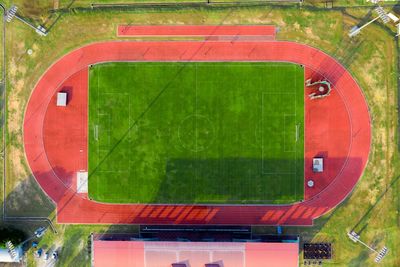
point(198, 132)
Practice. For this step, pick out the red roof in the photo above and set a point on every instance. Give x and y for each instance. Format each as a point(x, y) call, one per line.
point(195, 254)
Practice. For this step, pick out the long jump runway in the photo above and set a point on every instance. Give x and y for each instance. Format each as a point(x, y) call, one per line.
point(56, 138)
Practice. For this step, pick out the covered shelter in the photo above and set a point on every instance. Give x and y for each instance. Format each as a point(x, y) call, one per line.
point(6, 256)
point(62, 98)
point(318, 164)
point(138, 253)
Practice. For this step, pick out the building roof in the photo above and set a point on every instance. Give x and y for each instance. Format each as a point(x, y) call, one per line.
point(5, 255)
point(196, 254)
point(61, 99)
point(318, 164)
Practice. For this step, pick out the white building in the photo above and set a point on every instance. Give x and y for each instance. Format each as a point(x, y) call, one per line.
point(5, 255)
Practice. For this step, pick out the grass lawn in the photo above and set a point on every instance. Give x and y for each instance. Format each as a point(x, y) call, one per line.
point(371, 57)
point(196, 132)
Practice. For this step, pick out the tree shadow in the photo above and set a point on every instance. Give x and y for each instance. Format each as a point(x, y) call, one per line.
point(29, 204)
point(362, 223)
point(49, 23)
point(360, 259)
point(27, 199)
point(68, 248)
point(307, 233)
point(231, 180)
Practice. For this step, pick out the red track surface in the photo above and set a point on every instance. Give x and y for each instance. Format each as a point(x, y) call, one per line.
point(337, 127)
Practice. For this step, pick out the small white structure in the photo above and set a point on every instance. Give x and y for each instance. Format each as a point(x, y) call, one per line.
point(310, 183)
point(41, 30)
point(11, 13)
point(353, 236)
point(82, 182)
point(318, 164)
point(62, 99)
point(6, 256)
point(40, 232)
point(393, 17)
point(398, 29)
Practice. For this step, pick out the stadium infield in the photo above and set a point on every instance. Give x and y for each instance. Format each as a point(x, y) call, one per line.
point(196, 132)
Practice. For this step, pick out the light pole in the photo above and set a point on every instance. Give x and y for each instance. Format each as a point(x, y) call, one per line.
point(12, 12)
point(382, 14)
point(356, 238)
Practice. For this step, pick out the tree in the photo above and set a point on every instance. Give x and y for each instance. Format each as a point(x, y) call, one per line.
point(10, 234)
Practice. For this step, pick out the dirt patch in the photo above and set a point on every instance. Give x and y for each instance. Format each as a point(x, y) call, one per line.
point(371, 67)
point(21, 69)
point(379, 96)
point(381, 135)
point(56, 4)
point(14, 122)
point(12, 68)
point(310, 33)
point(16, 156)
point(277, 20)
point(20, 46)
point(26, 198)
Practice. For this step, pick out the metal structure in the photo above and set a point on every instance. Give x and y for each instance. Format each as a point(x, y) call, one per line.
point(12, 251)
point(398, 29)
point(40, 232)
point(12, 13)
point(317, 251)
point(382, 14)
point(380, 254)
point(356, 30)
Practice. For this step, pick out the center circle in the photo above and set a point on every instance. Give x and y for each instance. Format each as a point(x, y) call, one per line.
point(196, 133)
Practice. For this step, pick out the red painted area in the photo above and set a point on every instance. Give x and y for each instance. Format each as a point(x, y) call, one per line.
point(190, 30)
point(275, 254)
point(65, 128)
point(327, 131)
point(118, 253)
point(195, 254)
point(337, 127)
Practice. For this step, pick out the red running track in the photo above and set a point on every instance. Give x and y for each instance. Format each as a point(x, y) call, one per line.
point(337, 127)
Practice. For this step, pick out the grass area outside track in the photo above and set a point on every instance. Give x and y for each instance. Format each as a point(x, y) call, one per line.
point(210, 132)
point(371, 57)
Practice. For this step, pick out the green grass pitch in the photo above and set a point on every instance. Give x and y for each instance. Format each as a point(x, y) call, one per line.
point(198, 132)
